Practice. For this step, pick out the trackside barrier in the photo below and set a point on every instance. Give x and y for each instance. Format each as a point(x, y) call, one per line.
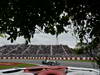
point(50, 58)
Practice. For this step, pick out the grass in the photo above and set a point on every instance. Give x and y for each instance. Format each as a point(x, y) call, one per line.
point(77, 60)
point(15, 66)
point(80, 60)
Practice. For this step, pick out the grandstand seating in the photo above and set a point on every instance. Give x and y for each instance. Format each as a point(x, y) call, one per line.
point(36, 50)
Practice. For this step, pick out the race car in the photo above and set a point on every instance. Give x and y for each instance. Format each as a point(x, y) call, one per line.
point(50, 70)
point(49, 62)
point(47, 70)
point(36, 70)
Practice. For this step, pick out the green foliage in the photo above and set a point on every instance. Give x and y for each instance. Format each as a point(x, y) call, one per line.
point(80, 47)
point(2, 35)
point(21, 17)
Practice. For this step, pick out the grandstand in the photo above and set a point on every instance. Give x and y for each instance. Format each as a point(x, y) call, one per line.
point(22, 50)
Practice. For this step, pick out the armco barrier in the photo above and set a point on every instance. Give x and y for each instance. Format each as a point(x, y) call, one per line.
point(50, 58)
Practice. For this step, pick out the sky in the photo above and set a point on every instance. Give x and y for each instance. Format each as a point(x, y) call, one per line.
point(45, 39)
point(41, 38)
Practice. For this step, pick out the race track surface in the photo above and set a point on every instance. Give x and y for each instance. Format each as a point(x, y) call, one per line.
point(63, 63)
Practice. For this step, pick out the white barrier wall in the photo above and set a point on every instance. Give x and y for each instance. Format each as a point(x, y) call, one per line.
point(50, 58)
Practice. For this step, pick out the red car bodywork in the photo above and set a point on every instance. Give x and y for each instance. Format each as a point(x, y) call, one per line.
point(47, 70)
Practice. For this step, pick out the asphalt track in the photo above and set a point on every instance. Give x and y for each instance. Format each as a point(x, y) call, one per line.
point(63, 63)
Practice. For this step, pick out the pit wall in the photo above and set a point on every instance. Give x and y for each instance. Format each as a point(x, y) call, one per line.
point(50, 58)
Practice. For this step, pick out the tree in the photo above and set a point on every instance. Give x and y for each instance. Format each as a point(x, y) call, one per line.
point(2, 35)
point(21, 18)
point(80, 48)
